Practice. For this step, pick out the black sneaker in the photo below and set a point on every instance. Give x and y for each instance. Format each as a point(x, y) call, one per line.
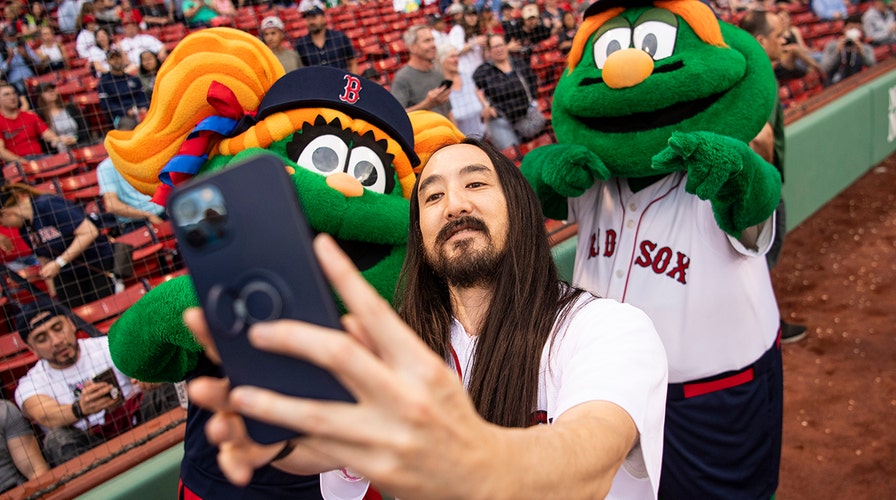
point(792, 332)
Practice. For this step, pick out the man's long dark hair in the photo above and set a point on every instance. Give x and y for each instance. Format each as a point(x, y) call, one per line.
point(527, 298)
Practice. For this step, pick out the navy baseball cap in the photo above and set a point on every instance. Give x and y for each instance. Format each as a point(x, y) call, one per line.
point(602, 5)
point(326, 87)
point(34, 314)
point(313, 11)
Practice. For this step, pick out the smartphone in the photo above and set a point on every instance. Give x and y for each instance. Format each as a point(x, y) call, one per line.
point(108, 377)
point(446, 84)
point(247, 245)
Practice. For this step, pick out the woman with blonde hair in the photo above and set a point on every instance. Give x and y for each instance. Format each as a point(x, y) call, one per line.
point(467, 106)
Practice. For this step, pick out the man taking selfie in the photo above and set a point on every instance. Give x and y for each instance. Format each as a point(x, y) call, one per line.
point(501, 347)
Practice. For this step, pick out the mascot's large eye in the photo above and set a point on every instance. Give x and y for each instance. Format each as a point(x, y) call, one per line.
point(656, 38)
point(609, 42)
point(366, 166)
point(325, 155)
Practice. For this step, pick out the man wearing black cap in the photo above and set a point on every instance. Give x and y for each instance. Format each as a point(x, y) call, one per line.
point(75, 392)
point(323, 46)
point(122, 95)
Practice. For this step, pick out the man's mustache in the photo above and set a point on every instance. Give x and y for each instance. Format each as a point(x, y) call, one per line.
point(461, 224)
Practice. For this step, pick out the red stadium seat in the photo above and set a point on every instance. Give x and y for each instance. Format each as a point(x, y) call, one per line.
point(103, 312)
point(81, 187)
point(15, 360)
point(90, 156)
point(47, 167)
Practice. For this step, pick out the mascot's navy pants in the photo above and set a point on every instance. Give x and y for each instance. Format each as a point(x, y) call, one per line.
point(723, 434)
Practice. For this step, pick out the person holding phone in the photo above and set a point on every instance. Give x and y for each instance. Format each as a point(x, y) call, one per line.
point(419, 84)
point(480, 290)
point(67, 393)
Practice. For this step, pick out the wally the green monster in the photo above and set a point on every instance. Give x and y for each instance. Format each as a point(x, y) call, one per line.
point(348, 145)
point(653, 118)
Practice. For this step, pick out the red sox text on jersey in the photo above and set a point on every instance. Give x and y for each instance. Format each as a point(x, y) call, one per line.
point(662, 260)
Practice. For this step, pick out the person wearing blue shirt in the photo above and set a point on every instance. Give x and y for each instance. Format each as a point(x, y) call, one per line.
point(828, 10)
point(122, 95)
point(131, 207)
point(18, 60)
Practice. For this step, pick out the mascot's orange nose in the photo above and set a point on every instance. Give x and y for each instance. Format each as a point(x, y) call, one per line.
point(627, 68)
point(345, 184)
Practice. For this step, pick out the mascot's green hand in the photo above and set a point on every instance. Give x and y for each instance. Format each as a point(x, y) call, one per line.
point(743, 188)
point(150, 341)
point(561, 171)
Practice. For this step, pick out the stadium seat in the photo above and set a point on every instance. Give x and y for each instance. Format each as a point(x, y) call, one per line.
point(35, 171)
point(398, 49)
point(541, 140)
point(15, 360)
point(153, 256)
point(370, 47)
point(81, 188)
point(90, 156)
point(103, 312)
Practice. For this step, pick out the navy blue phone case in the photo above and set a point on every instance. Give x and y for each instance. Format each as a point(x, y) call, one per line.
point(247, 246)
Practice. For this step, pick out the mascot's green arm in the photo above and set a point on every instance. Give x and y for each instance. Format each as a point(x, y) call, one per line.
point(560, 171)
point(744, 189)
point(150, 341)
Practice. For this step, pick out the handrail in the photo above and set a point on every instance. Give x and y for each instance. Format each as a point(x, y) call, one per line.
point(109, 459)
point(834, 92)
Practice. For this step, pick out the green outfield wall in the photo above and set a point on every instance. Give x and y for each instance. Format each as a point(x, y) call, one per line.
point(830, 148)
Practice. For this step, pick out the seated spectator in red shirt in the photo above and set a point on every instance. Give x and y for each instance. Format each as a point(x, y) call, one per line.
point(14, 252)
point(21, 130)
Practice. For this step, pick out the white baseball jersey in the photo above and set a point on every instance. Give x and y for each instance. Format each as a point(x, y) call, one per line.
point(605, 351)
point(661, 250)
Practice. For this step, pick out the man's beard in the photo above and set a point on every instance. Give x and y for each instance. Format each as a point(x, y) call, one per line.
point(71, 359)
point(469, 267)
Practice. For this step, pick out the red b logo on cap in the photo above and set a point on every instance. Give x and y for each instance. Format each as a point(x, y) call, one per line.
point(352, 90)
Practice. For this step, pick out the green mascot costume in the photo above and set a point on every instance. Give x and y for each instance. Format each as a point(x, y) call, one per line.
point(221, 97)
point(653, 119)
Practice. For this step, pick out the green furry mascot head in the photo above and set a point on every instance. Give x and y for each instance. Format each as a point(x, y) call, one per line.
point(221, 96)
point(659, 87)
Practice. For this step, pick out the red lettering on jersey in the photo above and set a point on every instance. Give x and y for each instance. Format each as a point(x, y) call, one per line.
point(593, 249)
point(352, 90)
point(661, 261)
point(610, 243)
point(644, 259)
point(683, 262)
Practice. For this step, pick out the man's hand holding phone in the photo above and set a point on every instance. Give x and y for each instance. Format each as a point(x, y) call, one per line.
point(239, 455)
point(412, 413)
point(95, 397)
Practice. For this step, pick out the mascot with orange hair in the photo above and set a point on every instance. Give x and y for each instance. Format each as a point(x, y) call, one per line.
point(220, 97)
